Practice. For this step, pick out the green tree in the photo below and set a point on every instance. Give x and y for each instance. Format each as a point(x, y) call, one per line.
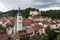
point(2, 29)
point(51, 34)
point(58, 37)
point(54, 14)
point(24, 38)
point(44, 38)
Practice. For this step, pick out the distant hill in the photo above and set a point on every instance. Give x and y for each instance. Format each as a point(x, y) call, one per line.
point(25, 13)
point(1, 12)
point(54, 14)
point(9, 13)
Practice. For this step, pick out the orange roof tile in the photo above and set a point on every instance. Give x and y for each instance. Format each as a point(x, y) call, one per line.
point(45, 22)
point(36, 27)
point(27, 21)
point(15, 35)
point(22, 33)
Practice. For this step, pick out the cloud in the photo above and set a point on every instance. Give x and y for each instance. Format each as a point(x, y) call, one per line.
point(25, 4)
point(8, 4)
point(57, 0)
point(39, 4)
point(47, 4)
point(50, 8)
point(2, 7)
point(14, 4)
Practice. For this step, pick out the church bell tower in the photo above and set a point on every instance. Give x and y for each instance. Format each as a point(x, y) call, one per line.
point(19, 21)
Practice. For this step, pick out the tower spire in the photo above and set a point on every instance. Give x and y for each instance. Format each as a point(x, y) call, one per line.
point(19, 12)
point(19, 3)
point(19, 20)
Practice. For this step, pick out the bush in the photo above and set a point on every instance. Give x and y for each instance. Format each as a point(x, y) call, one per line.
point(58, 37)
point(51, 33)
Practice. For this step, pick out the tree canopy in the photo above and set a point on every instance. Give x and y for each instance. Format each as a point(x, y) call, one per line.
point(58, 37)
point(51, 34)
point(54, 14)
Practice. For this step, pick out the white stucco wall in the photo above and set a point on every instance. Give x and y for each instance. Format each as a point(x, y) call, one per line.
point(53, 26)
point(34, 12)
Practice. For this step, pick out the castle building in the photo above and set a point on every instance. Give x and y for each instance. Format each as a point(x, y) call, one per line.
point(35, 12)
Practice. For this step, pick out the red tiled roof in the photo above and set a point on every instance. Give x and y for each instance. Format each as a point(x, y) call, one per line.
point(27, 21)
point(45, 22)
point(3, 36)
point(22, 33)
point(37, 17)
point(36, 27)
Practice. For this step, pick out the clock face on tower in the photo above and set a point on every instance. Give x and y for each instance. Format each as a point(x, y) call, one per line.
point(19, 18)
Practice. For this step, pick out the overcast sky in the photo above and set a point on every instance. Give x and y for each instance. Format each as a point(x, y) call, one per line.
point(6, 5)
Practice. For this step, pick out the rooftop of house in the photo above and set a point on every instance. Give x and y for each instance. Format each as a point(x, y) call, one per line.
point(36, 27)
point(27, 21)
point(1, 33)
point(3, 36)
